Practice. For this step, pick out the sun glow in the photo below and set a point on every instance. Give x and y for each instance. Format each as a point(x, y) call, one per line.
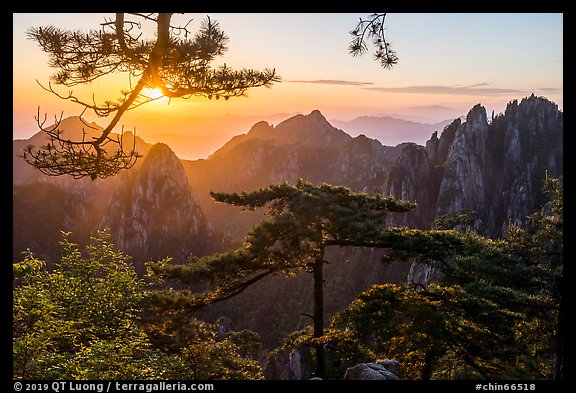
point(154, 94)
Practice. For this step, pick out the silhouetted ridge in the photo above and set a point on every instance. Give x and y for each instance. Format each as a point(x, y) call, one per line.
point(260, 129)
point(311, 129)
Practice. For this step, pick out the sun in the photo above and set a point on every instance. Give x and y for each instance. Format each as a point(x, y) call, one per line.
point(154, 94)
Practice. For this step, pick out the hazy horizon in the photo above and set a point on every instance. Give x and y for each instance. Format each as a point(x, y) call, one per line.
point(447, 64)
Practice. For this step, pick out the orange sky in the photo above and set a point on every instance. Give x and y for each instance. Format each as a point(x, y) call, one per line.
point(447, 61)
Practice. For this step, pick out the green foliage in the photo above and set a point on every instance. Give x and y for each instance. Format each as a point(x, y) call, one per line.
point(335, 211)
point(462, 219)
point(77, 321)
point(248, 342)
point(82, 320)
point(195, 351)
point(493, 313)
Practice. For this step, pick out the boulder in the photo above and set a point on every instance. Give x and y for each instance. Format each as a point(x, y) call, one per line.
point(391, 365)
point(369, 371)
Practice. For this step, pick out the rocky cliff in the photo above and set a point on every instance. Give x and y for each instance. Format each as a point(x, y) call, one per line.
point(150, 209)
point(154, 214)
point(494, 169)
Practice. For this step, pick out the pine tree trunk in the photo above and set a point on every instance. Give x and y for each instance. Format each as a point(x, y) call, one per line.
point(319, 313)
point(429, 362)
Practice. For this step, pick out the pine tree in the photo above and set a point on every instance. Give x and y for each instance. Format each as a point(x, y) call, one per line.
point(303, 220)
point(176, 63)
point(483, 312)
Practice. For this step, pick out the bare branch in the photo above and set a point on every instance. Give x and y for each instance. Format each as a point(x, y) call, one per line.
point(373, 28)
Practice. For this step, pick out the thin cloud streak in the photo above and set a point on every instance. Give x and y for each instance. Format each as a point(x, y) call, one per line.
point(332, 82)
point(465, 90)
point(549, 90)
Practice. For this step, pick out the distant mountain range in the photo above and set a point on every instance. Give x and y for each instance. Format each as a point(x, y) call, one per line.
point(192, 137)
point(390, 131)
point(205, 135)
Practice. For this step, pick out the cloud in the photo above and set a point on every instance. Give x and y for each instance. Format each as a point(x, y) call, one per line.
point(548, 90)
point(478, 84)
point(332, 82)
point(471, 90)
point(476, 89)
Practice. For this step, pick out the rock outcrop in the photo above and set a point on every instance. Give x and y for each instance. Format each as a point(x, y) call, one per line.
point(495, 169)
point(414, 178)
point(150, 210)
point(369, 371)
point(300, 364)
point(154, 214)
point(296, 365)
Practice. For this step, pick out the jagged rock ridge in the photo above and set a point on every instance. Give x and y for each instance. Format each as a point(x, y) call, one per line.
point(306, 146)
point(494, 169)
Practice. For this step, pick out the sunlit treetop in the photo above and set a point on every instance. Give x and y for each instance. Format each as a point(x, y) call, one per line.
point(176, 63)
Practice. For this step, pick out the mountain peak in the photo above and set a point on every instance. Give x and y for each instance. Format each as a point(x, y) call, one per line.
point(311, 129)
point(315, 118)
point(260, 129)
point(75, 124)
point(160, 148)
point(315, 114)
point(476, 114)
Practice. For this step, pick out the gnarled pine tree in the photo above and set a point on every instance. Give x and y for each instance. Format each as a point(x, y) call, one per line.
point(303, 220)
point(176, 63)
